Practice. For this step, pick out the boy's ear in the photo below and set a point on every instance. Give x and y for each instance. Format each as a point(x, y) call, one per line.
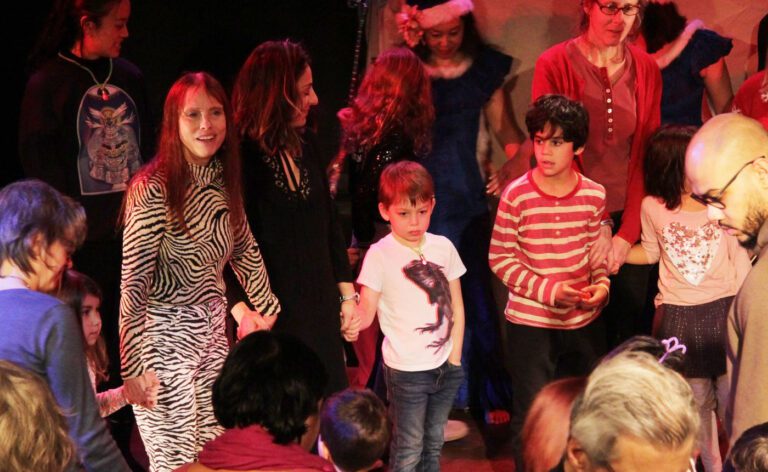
point(383, 211)
point(578, 152)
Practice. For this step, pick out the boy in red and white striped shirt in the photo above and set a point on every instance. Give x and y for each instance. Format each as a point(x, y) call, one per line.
point(546, 222)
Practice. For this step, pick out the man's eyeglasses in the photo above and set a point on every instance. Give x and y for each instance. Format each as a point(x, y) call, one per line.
point(612, 9)
point(716, 201)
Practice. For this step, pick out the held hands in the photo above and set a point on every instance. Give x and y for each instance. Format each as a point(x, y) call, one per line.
point(250, 320)
point(350, 322)
point(620, 251)
point(142, 390)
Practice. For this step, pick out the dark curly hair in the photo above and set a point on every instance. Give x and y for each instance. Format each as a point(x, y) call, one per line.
point(270, 379)
point(559, 112)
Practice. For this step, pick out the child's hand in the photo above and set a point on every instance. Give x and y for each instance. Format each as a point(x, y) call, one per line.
point(566, 296)
point(593, 296)
point(134, 390)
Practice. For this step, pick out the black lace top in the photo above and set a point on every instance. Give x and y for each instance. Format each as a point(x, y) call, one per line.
point(364, 172)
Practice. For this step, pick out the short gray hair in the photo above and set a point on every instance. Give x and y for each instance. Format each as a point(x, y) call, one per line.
point(31, 208)
point(632, 394)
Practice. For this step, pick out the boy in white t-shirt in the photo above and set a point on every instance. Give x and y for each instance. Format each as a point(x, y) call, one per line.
point(411, 278)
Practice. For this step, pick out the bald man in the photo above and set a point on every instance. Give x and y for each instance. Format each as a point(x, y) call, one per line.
point(727, 164)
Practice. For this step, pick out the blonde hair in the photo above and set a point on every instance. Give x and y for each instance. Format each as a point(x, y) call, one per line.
point(33, 431)
point(632, 394)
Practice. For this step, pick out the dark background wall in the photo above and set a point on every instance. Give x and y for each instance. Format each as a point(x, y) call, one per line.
point(168, 37)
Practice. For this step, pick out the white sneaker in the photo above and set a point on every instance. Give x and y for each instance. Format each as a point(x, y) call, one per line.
point(455, 430)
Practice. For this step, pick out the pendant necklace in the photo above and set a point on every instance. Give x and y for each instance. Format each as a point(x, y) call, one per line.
point(102, 86)
point(419, 253)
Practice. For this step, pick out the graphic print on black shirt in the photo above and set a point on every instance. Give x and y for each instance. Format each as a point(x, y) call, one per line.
point(429, 277)
point(108, 132)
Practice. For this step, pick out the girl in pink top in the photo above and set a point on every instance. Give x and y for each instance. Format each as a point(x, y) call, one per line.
point(701, 267)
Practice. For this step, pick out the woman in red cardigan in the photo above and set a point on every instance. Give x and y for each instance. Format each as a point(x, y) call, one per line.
point(620, 85)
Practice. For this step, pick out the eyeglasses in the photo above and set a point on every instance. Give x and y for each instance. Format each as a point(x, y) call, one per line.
point(716, 201)
point(612, 9)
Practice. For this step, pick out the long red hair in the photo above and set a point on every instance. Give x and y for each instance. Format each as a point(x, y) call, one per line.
point(169, 160)
point(265, 97)
point(545, 432)
point(395, 95)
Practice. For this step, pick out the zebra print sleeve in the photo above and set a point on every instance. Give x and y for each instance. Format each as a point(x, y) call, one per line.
point(145, 218)
point(249, 268)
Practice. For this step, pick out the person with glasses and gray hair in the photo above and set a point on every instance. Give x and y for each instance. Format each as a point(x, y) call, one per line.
point(727, 166)
point(635, 415)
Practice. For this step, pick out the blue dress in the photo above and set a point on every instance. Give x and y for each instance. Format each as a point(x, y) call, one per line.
point(683, 85)
point(462, 215)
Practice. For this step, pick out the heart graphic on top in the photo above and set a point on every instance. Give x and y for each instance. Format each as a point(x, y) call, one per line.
point(691, 250)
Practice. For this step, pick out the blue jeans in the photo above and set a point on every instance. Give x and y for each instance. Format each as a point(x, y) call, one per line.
point(419, 404)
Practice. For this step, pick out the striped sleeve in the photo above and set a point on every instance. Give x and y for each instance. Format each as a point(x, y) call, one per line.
point(249, 268)
point(145, 222)
point(505, 253)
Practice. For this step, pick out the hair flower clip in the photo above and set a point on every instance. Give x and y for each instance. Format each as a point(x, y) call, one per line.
point(408, 24)
point(671, 345)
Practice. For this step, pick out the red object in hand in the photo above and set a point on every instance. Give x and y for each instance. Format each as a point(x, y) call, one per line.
point(585, 295)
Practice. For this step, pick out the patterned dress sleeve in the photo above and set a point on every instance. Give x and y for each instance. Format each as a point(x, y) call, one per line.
point(145, 224)
point(109, 401)
point(249, 268)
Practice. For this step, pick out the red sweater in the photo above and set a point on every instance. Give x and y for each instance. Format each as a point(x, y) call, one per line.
point(539, 241)
point(554, 74)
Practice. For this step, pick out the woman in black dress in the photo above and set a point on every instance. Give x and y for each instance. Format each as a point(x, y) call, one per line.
point(288, 204)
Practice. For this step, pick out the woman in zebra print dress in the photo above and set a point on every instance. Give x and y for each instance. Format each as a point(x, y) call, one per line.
point(184, 221)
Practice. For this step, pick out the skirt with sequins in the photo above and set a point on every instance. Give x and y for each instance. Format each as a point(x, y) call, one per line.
point(702, 329)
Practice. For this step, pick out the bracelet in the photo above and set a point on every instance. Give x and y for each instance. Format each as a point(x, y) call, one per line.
point(608, 222)
point(355, 296)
